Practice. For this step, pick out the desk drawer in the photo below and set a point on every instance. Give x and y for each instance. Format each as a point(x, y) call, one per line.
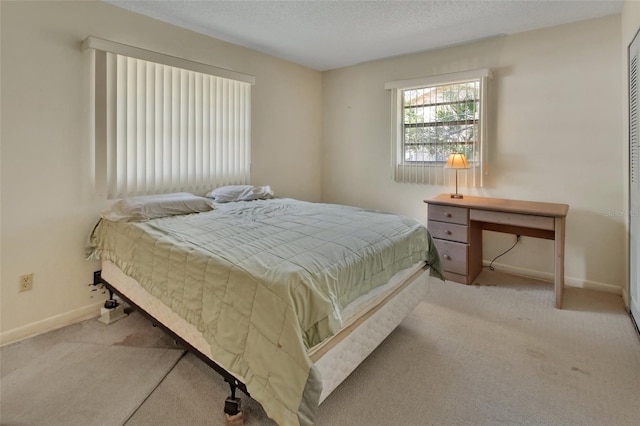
point(449, 231)
point(514, 219)
point(454, 256)
point(449, 214)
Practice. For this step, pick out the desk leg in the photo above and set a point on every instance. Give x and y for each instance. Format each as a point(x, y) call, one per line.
point(559, 261)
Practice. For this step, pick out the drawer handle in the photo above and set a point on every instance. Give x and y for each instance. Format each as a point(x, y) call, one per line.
point(447, 215)
point(447, 232)
point(447, 257)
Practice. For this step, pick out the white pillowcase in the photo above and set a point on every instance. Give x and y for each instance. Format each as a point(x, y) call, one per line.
point(145, 207)
point(225, 194)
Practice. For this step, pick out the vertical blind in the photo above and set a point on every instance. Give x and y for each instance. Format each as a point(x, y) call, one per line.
point(167, 124)
point(174, 129)
point(438, 121)
point(634, 128)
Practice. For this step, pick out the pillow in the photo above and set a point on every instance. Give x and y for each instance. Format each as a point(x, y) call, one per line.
point(139, 209)
point(225, 194)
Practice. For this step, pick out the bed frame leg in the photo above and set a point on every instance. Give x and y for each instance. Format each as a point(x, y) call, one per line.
point(112, 310)
point(112, 314)
point(232, 407)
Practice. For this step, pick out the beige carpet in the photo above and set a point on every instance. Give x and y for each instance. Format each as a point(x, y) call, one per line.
point(496, 353)
point(88, 374)
point(500, 354)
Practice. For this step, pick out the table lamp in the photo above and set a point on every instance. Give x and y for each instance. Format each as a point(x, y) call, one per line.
point(456, 161)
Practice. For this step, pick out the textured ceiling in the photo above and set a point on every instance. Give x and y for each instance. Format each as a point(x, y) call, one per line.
point(323, 34)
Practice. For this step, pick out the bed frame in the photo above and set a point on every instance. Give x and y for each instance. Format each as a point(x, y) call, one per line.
point(232, 405)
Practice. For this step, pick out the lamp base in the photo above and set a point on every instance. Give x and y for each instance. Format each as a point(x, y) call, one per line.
point(456, 195)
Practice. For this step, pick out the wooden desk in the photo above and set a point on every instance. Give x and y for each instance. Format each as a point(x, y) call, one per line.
point(456, 226)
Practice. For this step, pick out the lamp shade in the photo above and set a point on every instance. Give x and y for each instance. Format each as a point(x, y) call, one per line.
point(457, 161)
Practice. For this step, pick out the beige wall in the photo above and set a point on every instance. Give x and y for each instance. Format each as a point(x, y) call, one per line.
point(48, 202)
point(554, 136)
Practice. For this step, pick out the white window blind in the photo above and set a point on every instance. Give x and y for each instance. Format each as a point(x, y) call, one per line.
point(634, 126)
point(161, 128)
point(434, 117)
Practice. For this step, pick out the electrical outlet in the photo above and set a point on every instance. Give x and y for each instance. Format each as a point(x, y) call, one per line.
point(25, 282)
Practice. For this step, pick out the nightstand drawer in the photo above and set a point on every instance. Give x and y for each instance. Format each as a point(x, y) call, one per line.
point(449, 214)
point(454, 256)
point(449, 231)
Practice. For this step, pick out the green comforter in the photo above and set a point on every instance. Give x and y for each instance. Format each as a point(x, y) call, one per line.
point(266, 280)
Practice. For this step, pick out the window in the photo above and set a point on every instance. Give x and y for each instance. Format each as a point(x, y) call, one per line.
point(434, 117)
point(165, 124)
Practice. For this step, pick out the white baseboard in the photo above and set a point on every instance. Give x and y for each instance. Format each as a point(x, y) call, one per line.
point(51, 323)
point(625, 297)
point(548, 276)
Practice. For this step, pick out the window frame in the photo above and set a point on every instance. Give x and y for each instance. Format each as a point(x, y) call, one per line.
point(431, 172)
point(426, 110)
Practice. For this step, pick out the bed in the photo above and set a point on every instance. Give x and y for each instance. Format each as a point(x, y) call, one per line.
point(286, 297)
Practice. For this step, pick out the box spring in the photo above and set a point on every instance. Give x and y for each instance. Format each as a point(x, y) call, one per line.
point(366, 322)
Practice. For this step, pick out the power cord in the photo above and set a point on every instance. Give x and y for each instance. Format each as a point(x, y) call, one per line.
point(491, 268)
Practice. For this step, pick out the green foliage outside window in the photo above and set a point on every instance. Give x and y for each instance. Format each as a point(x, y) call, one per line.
point(441, 120)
